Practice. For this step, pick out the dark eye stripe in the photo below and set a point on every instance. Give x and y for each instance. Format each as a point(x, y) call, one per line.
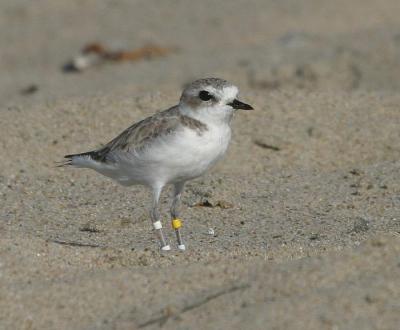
point(205, 96)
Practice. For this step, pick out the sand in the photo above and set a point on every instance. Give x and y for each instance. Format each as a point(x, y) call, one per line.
point(304, 207)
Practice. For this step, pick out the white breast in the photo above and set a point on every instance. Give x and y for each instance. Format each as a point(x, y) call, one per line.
point(187, 154)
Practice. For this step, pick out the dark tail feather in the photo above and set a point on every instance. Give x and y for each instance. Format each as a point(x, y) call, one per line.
point(89, 153)
point(69, 158)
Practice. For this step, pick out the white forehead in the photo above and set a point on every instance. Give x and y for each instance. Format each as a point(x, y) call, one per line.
point(224, 93)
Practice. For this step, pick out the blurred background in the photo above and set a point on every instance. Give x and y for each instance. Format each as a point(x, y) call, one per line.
point(265, 45)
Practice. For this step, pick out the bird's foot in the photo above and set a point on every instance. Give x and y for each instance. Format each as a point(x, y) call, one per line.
point(166, 248)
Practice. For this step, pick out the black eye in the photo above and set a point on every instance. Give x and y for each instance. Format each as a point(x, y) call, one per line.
point(205, 96)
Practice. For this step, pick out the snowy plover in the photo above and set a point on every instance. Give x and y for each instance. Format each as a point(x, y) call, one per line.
point(170, 147)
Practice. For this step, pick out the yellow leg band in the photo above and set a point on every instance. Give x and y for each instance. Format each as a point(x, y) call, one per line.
point(176, 223)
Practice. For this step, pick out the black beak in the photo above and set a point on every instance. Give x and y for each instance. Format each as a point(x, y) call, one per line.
point(236, 104)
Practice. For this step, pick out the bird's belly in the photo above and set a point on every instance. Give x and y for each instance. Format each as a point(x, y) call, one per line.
point(189, 155)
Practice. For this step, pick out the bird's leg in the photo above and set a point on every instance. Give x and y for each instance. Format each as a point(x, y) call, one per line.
point(176, 221)
point(155, 218)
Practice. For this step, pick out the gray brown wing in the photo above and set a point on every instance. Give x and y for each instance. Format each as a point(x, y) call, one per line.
point(140, 134)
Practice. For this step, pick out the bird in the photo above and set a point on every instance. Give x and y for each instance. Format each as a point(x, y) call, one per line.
point(170, 147)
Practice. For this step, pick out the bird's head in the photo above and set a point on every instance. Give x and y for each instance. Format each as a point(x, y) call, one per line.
point(211, 99)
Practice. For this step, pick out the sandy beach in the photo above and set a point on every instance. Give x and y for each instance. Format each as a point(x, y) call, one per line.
point(304, 207)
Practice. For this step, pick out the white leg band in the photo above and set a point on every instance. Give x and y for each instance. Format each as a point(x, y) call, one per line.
point(157, 225)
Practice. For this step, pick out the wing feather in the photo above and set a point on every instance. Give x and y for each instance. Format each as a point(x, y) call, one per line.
point(141, 133)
